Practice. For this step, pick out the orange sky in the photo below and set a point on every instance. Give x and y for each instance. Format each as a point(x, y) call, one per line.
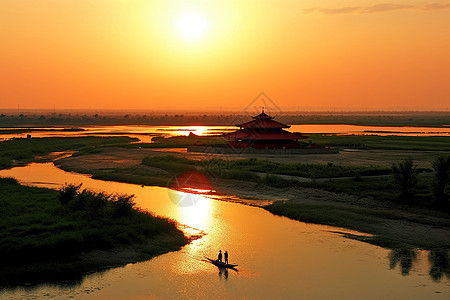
point(127, 54)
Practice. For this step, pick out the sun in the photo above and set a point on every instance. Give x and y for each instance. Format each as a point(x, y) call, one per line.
point(191, 25)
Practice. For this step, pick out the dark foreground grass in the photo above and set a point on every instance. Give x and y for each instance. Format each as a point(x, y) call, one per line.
point(25, 150)
point(43, 239)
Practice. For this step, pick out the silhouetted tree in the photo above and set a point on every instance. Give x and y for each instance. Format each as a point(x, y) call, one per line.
point(68, 192)
point(123, 205)
point(405, 176)
point(403, 257)
point(441, 167)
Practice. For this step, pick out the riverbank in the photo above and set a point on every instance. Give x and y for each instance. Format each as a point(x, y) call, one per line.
point(44, 237)
point(390, 224)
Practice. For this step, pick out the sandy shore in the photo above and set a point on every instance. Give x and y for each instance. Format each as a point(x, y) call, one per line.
point(401, 226)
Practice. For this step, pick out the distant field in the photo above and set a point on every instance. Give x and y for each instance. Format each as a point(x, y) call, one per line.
point(422, 119)
point(427, 143)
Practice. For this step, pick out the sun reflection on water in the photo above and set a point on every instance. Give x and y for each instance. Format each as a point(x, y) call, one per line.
point(197, 130)
point(197, 214)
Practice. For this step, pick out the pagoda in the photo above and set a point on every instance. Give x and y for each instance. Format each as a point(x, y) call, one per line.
point(263, 133)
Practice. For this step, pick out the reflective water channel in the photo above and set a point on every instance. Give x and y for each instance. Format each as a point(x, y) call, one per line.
point(278, 258)
point(145, 133)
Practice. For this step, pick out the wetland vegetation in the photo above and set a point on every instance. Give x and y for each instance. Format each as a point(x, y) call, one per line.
point(48, 234)
point(16, 151)
point(356, 196)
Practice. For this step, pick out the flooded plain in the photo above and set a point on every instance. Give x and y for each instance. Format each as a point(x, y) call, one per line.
point(278, 258)
point(145, 133)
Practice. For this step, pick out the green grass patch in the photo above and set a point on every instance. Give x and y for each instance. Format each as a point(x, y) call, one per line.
point(132, 178)
point(180, 142)
point(220, 167)
point(381, 188)
point(326, 170)
point(43, 225)
point(26, 149)
point(373, 221)
point(170, 163)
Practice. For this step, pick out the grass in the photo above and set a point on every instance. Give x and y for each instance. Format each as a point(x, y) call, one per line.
point(383, 189)
point(38, 229)
point(424, 143)
point(180, 142)
point(373, 221)
point(170, 163)
point(24, 150)
point(326, 170)
point(379, 188)
point(174, 164)
point(132, 178)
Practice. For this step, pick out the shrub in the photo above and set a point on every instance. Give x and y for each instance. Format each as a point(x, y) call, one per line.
point(123, 205)
point(8, 180)
point(93, 203)
point(68, 192)
point(441, 167)
point(405, 176)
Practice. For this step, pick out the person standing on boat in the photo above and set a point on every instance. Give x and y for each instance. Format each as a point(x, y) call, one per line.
point(219, 258)
point(226, 257)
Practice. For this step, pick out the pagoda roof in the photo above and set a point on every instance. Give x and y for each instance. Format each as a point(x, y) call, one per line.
point(264, 135)
point(263, 121)
point(263, 115)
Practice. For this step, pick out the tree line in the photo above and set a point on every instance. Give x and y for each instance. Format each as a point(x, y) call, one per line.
point(405, 177)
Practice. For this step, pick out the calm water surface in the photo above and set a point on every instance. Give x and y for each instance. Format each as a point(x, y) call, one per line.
point(278, 258)
point(146, 133)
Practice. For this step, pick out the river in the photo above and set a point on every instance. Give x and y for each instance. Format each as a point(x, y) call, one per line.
point(145, 133)
point(278, 258)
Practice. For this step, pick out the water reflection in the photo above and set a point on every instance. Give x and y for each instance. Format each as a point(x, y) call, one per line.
point(223, 272)
point(407, 258)
point(278, 258)
point(145, 133)
point(404, 258)
point(440, 264)
point(197, 215)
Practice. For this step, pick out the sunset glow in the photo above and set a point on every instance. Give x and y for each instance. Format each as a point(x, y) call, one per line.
point(191, 25)
point(207, 54)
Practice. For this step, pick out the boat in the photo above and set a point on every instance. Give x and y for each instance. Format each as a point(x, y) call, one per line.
point(220, 264)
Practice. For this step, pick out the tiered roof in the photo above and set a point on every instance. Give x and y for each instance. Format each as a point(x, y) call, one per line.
point(263, 121)
point(263, 127)
point(264, 135)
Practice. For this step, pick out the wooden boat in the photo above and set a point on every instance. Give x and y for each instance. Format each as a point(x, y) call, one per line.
point(220, 264)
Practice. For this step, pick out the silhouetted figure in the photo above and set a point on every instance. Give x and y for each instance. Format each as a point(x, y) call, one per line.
point(226, 257)
point(219, 258)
